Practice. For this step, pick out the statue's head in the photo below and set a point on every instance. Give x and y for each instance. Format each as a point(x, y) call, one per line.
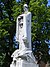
point(25, 8)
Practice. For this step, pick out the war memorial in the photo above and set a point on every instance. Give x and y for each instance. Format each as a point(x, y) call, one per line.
point(23, 57)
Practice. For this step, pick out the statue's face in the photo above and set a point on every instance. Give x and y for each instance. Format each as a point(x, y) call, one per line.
point(25, 8)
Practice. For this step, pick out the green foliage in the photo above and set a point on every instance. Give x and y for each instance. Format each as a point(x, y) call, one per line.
point(40, 28)
point(9, 12)
point(2, 57)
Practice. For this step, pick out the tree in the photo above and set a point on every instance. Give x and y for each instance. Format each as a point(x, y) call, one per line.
point(40, 28)
point(9, 11)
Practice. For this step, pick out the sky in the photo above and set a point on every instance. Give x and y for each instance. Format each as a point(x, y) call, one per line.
point(48, 2)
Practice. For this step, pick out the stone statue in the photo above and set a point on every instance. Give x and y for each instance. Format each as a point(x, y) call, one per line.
point(25, 8)
point(23, 57)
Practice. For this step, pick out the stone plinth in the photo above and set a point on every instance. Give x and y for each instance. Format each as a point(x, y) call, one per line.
point(25, 64)
point(23, 58)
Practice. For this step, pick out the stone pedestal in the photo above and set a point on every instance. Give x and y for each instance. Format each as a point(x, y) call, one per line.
point(23, 58)
point(22, 63)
